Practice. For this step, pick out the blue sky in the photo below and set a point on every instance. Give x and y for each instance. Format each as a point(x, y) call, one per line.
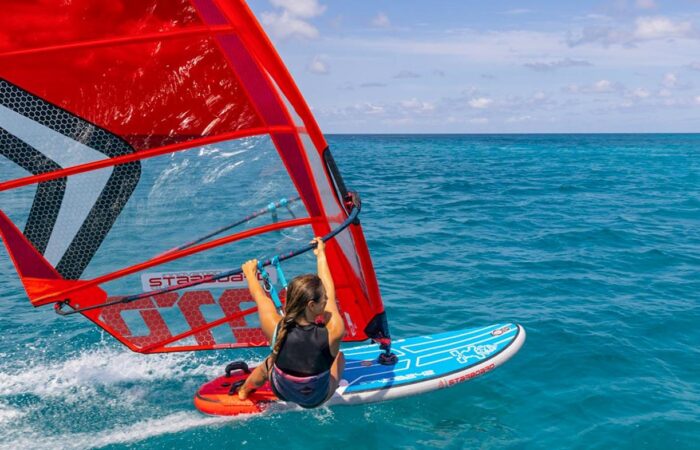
point(464, 66)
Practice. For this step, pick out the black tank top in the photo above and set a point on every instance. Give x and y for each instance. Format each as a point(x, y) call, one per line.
point(305, 351)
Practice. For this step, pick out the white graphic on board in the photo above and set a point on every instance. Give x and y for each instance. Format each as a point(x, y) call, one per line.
point(473, 351)
point(406, 377)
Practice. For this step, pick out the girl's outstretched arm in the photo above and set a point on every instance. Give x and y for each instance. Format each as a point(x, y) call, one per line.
point(269, 317)
point(335, 325)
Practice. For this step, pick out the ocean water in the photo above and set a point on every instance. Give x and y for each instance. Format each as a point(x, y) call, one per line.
point(591, 242)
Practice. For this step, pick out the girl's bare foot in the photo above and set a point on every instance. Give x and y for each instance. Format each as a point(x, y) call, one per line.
point(243, 393)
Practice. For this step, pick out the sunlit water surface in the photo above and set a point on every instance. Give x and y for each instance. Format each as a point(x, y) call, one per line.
point(592, 243)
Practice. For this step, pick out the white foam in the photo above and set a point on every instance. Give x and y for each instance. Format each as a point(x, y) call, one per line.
point(173, 423)
point(8, 414)
point(101, 367)
point(120, 380)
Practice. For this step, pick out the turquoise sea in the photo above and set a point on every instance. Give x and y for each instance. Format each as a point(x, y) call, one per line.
point(591, 242)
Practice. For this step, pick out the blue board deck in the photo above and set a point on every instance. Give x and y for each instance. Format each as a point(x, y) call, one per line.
point(425, 363)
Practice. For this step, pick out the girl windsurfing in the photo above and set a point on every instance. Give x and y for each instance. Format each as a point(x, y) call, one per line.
point(306, 364)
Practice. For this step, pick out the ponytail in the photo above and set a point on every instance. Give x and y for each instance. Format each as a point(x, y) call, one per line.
point(300, 292)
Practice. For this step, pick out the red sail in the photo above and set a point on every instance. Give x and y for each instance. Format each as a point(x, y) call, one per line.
point(100, 104)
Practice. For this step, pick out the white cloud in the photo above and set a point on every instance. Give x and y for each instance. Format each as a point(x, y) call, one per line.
point(381, 20)
point(517, 11)
point(370, 108)
point(672, 102)
point(417, 105)
point(598, 17)
point(300, 8)
point(646, 28)
point(285, 25)
point(406, 74)
point(599, 87)
point(640, 93)
point(603, 86)
point(519, 119)
point(318, 65)
point(554, 65)
point(291, 18)
point(479, 120)
point(497, 49)
point(660, 27)
point(372, 84)
point(670, 80)
point(605, 35)
point(480, 102)
point(697, 100)
point(695, 65)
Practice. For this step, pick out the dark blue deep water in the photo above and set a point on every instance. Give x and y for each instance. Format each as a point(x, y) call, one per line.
point(591, 242)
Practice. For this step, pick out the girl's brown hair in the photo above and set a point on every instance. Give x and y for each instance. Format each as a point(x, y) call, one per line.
point(300, 291)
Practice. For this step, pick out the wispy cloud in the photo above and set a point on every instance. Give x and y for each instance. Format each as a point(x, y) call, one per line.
point(517, 11)
point(604, 35)
point(318, 65)
point(486, 46)
point(554, 65)
point(381, 20)
point(622, 69)
point(599, 87)
point(670, 80)
point(406, 74)
point(417, 105)
point(370, 108)
point(519, 119)
point(301, 8)
point(661, 28)
point(644, 29)
point(480, 102)
point(372, 84)
point(640, 93)
point(290, 19)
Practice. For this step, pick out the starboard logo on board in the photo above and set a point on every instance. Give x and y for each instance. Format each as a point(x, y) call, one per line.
point(473, 351)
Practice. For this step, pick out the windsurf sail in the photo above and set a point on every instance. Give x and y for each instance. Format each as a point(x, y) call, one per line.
point(148, 148)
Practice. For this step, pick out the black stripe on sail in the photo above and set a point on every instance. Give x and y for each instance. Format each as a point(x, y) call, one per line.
point(49, 194)
point(111, 200)
point(107, 208)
